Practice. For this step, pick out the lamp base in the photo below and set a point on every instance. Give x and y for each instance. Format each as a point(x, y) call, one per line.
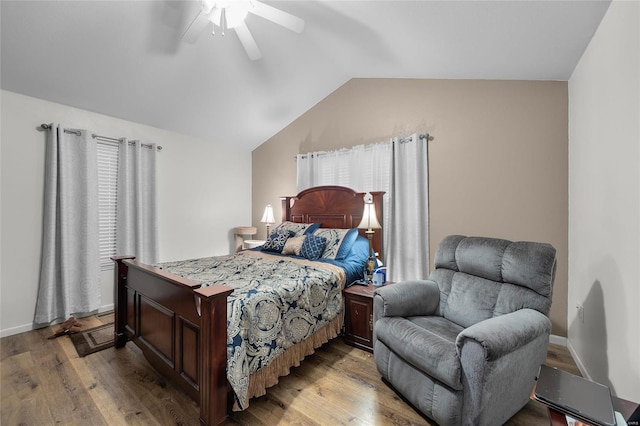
point(371, 261)
point(371, 265)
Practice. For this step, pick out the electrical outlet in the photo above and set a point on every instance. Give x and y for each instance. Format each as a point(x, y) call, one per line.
point(580, 309)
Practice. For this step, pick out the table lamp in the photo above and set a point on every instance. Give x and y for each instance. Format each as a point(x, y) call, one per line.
point(267, 217)
point(370, 223)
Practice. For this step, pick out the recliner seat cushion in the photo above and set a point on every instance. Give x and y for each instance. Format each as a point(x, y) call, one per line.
point(427, 343)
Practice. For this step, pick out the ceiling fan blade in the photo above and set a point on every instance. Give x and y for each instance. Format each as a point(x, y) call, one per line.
point(195, 27)
point(248, 42)
point(277, 16)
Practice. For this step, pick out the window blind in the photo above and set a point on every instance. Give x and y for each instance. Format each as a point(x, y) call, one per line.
point(107, 204)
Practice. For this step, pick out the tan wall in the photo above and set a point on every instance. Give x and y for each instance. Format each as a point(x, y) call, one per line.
point(497, 166)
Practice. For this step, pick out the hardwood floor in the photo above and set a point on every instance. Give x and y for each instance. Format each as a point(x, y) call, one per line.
point(44, 382)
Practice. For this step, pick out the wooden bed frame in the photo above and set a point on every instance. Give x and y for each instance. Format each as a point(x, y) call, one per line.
point(181, 327)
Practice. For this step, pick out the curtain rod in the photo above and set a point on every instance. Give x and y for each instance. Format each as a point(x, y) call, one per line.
point(423, 136)
point(403, 139)
point(102, 138)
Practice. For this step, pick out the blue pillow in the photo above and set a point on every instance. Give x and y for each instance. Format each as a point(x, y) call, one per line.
point(312, 227)
point(276, 241)
point(347, 243)
point(357, 259)
point(313, 247)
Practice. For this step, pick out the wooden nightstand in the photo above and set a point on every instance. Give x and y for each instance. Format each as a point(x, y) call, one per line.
point(358, 305)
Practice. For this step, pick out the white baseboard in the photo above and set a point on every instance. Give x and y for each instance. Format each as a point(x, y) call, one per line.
point(558, 340)
point(578, 361)
point(563, 341)
point(106, 308)
point(16, 330)
point(29, 327)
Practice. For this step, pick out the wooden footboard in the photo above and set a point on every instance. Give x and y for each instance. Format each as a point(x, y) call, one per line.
point(180, 327)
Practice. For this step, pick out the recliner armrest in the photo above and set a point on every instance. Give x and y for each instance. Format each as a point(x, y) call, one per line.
point(407, 298)
point(504, 334)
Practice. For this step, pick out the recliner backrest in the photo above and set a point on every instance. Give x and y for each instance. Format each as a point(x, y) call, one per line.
point(480, 278)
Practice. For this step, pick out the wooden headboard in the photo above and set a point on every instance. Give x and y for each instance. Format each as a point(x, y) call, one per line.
point(333, 207)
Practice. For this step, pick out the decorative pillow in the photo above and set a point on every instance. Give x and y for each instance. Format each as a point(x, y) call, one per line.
point(297, 228)
point(311, 228)
point(276, 241)
point(334, 237)
point(312, 247)
point(347, 242)
point(293, 245)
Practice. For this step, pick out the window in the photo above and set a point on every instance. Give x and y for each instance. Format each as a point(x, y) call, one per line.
point(107, 200)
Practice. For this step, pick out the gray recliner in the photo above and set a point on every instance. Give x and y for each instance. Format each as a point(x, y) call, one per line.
point(464, 346)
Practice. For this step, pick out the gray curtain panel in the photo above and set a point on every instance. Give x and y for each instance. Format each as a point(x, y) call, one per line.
point(69, 275)
point(137, 228)
point(408, 239)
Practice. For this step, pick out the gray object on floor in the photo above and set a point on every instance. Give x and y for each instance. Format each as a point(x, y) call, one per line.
point(465, 345)
point(576, 396)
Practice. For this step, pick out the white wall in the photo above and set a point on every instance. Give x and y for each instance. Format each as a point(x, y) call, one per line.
point(604, 204)
point(204, 191)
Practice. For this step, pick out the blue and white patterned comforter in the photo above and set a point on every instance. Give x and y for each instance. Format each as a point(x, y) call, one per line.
point(276, 302)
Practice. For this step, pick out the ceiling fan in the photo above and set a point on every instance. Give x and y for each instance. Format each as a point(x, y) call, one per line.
point(225, 14)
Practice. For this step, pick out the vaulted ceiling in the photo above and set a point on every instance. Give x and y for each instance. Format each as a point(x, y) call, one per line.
point(126, 59)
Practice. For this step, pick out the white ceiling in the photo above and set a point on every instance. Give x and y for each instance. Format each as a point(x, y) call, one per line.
point(125, 58)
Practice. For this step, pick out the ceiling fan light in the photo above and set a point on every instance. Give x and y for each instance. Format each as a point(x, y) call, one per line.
point(214, 15)
point(226, 14)
point(236, 13)
point(234, 19)
point(207, 5)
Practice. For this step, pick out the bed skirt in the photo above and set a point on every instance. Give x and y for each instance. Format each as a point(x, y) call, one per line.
point(268, 376)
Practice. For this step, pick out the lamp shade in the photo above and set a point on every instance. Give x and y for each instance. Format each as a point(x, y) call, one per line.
point(369, 217)
point(267, 216)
